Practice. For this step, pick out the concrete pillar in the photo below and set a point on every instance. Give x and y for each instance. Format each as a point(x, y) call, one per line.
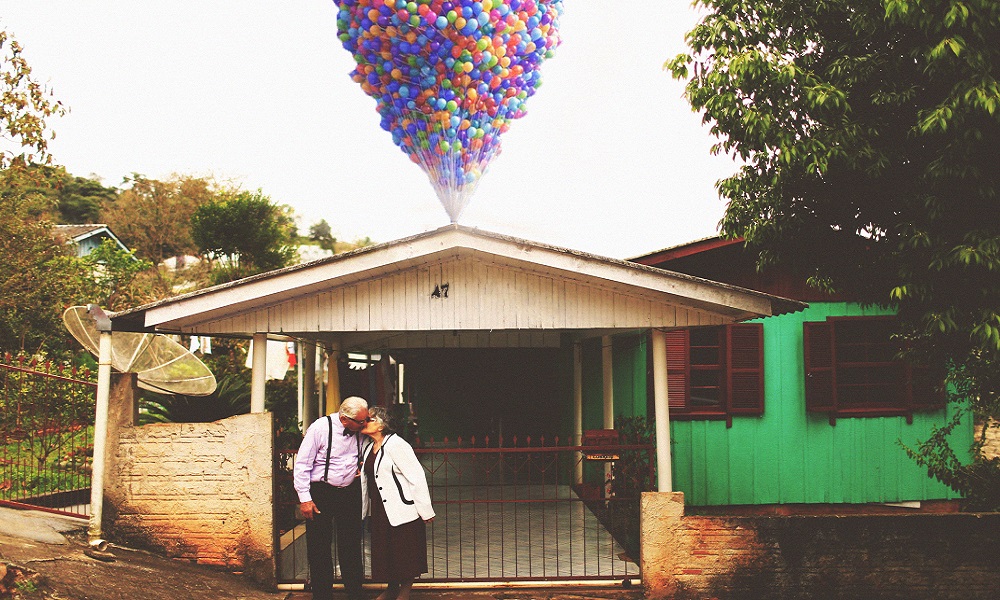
point(662, 544)
point(258, 377)
point(661, 407)
point(94, 530)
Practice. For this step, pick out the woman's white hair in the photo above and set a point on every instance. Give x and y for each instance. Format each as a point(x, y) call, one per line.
point(352, 405)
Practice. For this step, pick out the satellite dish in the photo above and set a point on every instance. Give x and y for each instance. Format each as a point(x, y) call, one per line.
point(162, 365)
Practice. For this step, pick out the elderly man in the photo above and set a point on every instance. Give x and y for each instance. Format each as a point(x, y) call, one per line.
point(327, 482)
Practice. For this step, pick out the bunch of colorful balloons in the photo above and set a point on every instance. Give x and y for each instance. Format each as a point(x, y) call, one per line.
point(449, 76)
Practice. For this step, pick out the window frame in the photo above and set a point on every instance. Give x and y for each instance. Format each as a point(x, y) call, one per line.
point(739, 368)
point(822, 386)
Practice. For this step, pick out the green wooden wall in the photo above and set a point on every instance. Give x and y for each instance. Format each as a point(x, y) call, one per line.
point(785, 456)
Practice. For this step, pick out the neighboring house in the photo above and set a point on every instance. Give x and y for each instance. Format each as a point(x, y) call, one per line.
point(803, 408)
point(87, 237)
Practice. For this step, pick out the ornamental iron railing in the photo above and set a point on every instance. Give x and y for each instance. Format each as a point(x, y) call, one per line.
point(46, 435)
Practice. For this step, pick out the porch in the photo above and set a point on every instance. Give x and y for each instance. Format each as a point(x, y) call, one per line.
point(467, 290)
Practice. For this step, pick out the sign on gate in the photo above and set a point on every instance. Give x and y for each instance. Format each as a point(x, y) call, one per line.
point(596, 438)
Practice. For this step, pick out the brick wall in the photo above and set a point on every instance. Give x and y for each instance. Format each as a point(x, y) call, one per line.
point(198, 491)
point(939, 556)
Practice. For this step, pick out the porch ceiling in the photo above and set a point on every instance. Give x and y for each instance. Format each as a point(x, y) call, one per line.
point(455, 286)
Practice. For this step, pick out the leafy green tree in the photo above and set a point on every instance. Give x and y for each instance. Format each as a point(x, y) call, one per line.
point(116, 277)
point(72, 200)
point(244, 233)
point(868, 132)
point(81, 199)
point(38, 276)
point(323, 235)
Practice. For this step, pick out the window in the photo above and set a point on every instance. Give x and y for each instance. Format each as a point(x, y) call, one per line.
point(716, 372)
point(852, 370)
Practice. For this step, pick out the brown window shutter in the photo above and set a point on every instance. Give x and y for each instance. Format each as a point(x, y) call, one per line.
point(745, 373)
point(677, 369)
point(925, 389)
point(819, 358)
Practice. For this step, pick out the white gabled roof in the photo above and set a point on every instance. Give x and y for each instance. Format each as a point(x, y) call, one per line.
point(491, 281)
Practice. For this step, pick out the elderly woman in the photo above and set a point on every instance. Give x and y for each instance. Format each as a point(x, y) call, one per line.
point(395, 495)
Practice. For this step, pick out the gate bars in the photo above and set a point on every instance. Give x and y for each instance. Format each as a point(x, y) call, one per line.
point(46, 435)
point(510, 510)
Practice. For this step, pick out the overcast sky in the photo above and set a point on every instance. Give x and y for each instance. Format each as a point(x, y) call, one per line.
point(609, 159)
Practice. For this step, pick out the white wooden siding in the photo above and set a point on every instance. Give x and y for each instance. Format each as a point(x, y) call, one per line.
point(475, 296)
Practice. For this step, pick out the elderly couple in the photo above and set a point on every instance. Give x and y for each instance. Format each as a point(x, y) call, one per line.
point(353, 465)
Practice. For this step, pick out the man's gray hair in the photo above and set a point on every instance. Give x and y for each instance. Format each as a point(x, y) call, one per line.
point(352, 405)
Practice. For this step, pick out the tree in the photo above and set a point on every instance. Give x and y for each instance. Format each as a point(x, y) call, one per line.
point(72, 200)
point(244, 233)
point(868, 132)
point(154, 217)
point(81, 199)
point(116, 282)
point(24, 106)
point(37, 275)
point(321, 233)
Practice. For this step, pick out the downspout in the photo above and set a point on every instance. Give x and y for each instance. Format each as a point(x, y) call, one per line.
point(103, 324)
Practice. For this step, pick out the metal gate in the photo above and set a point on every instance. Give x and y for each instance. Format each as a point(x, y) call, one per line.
point(46, 435)
point(512, 510)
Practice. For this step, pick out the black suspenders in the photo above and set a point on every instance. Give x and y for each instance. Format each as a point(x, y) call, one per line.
point(329, 445)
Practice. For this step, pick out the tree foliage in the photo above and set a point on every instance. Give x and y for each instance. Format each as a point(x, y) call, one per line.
point(38, 277)
point(322, 234)
point(868, 131)
point(244, 233)
point(153, 217)
point(25, 104)
point(69, 199)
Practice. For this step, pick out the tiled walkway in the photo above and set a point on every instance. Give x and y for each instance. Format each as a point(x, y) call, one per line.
point(535, 532)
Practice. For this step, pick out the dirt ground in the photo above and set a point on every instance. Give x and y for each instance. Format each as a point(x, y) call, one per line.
point(47, 558)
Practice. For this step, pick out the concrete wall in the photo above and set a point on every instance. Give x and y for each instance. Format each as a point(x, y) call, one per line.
point(939, 556)
point(197, 491)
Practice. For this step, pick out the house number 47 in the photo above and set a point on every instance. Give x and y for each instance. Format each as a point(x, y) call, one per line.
point(440, 291)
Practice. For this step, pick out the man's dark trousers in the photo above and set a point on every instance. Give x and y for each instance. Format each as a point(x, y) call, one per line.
point(344, 506)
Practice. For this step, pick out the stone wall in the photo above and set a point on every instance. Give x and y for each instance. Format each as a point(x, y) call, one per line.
point(939, 556)
point(197, 491)
point(991, 449)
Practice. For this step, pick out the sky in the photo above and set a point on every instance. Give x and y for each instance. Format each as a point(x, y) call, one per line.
point(610, 158)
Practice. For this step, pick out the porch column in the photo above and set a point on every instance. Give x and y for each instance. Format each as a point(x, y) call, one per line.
point(608, 381)
point(578, 409)
point(309, 404)
point(333, 379)
point(664, 476)
point(94, 532)
point(258, 376)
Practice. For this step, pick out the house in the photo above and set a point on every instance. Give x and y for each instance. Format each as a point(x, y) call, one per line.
point(495, 334)
point(803, 410)
point(541, 335)
point(87, 237)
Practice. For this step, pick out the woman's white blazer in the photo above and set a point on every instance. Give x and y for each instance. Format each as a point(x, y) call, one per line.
point(401, 482)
